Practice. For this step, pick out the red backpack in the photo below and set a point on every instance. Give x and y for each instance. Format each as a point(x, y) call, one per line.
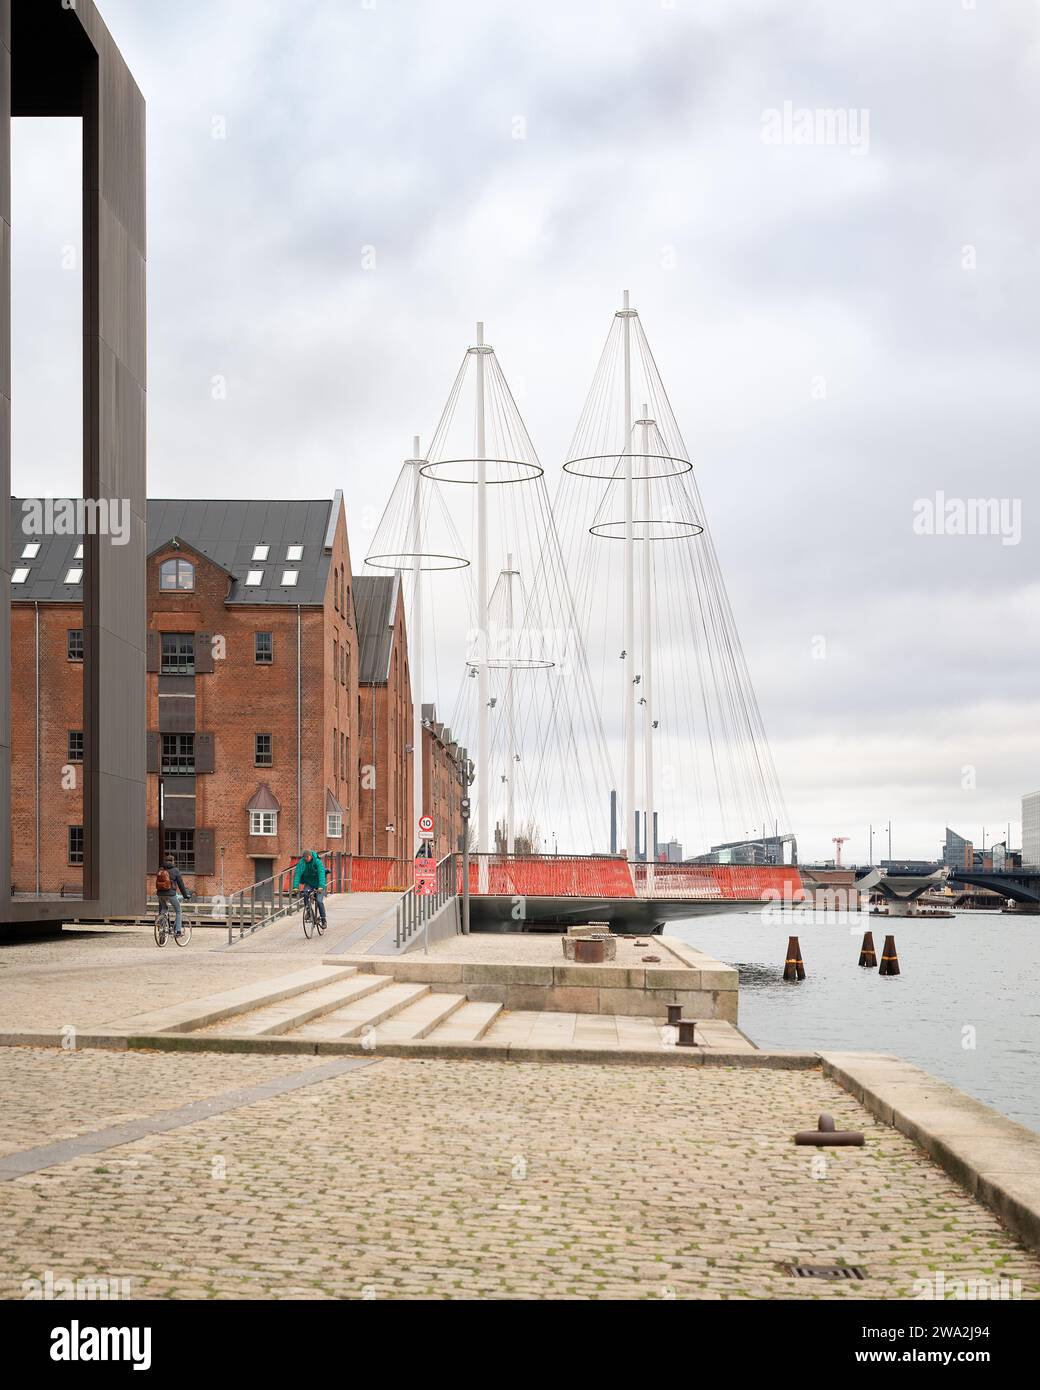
point(163, 881)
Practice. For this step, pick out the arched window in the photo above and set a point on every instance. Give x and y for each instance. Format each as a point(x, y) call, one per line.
point(177, 575)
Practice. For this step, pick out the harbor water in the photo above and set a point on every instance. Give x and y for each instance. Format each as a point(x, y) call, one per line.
point(966, 1005)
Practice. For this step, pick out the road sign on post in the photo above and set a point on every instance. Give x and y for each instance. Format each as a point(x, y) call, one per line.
point(425, 826)
point(425, 877)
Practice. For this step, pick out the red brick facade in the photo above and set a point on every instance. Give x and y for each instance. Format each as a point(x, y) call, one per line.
point(225, 680)
point(222, 705)
point(311, 749)
point(57, 797)
point(385, 773)
point(442, 788)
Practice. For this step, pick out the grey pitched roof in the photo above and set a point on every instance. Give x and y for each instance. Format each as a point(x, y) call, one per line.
point(224, 530)
point(375, 603)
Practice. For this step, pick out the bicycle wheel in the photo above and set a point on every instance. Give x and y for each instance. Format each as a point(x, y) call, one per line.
point(185, 935)
point(162, 927)
point(308, 920)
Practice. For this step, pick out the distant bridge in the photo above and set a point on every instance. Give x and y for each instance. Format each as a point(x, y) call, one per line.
point(1021, 885)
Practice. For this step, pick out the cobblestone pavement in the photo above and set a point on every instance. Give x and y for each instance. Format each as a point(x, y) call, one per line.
point(418, 1178)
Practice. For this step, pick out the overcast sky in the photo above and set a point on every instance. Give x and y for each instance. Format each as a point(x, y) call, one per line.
point(844, 328)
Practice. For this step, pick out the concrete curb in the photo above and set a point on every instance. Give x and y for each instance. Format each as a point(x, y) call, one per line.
point(461, 1051)
point(994, 1158)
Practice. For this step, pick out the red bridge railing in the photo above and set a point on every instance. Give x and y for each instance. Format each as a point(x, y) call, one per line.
point(601, 876)
point(750, 882)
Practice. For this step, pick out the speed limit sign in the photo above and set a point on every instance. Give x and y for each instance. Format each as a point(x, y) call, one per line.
point(426, 825)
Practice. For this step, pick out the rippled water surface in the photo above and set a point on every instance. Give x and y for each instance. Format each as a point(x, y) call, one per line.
point(975, 971)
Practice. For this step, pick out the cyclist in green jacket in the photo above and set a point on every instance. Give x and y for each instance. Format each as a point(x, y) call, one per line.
point(310, 875)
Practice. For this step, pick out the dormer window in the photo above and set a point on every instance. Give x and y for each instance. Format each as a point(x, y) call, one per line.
point(177, 576)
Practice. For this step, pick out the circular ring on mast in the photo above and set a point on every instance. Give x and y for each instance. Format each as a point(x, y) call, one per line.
point(465, 471)
point(652, 530)
point(405, 560)
point(610, 466)
point(513, 663)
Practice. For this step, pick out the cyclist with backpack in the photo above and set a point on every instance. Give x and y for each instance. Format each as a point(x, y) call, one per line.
point(310, 874)
point(169, 889)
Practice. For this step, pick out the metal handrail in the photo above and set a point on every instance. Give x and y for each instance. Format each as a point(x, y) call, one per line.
point(259, 904)
point(282, 900)
point(415, 910)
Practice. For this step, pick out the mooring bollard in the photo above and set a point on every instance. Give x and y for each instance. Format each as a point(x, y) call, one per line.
point(889, 959)
point(793, 967)
point(674, 1015)
point(686, 1030)
point(867, 955)
point(827, 1136)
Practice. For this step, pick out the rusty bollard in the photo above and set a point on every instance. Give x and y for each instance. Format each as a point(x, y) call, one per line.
point(889, 958)
point(793, 967)
point(826, 1135)
point(674, 1015)
point(867, 955)
point(686, 1029)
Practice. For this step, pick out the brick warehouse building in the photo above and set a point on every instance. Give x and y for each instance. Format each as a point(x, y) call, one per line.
point(387, 766)
point(384, 717)
point(443, 765)
point(251, 693)
point(235, 723)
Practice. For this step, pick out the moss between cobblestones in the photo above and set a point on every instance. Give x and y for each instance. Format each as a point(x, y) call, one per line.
point(638, 1183)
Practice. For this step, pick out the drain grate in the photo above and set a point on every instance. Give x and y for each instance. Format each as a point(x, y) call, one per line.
point(824, 1271)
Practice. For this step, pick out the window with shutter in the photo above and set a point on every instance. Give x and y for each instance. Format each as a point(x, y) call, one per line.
point(205, 841)
point(204, 653)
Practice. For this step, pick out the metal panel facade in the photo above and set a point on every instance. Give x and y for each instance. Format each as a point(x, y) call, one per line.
point(58, 60)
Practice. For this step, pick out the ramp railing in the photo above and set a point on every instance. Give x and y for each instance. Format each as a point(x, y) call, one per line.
point(415, 910)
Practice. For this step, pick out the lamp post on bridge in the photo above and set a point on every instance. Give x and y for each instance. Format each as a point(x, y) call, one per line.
point(465, 778)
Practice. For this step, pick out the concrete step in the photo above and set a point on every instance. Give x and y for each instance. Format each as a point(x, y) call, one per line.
point(468, 1023)
point(419, 1020)
point(291, 1014)
point(387, 998)
point(212, 1008)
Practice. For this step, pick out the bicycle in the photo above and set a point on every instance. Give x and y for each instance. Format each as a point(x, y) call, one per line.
point(164, 923)
point(311, 915)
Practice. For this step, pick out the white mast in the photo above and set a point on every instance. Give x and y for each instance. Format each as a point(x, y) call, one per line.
point(628, 844)
point(483, 682)
point(417, 646)
point(647, 620)
point(510, 720)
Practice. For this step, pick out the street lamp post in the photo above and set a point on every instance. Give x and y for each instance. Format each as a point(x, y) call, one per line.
point(464, 808)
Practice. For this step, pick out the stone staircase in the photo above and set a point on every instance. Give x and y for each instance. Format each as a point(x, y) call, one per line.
point(325, 1005)
point(347, 1007)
